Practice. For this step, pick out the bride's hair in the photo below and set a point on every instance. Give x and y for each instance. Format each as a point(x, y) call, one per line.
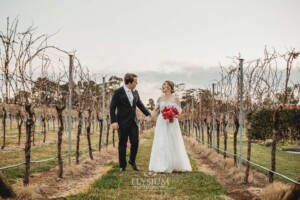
point(171, 85)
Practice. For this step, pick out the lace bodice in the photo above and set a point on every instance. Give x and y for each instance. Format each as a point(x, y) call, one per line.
point(162, 104)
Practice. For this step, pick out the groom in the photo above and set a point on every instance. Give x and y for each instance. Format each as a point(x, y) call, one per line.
point(125, 100)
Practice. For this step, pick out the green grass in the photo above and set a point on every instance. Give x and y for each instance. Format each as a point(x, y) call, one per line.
point(142, 185)
point(39, 152)
point(13, 174)
point(286, 163)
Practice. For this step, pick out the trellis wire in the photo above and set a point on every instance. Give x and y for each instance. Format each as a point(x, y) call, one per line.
point(262, 167)
point(41, 161)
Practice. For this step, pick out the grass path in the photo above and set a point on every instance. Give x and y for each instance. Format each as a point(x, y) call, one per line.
point(14, 154)
point(143, 185)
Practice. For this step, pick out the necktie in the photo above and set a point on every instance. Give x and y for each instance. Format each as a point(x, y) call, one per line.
point(130, 95)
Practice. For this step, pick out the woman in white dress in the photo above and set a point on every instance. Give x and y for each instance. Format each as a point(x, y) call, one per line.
point(168, 152)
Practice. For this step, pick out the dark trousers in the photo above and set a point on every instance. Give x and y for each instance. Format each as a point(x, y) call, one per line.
point(133, 133)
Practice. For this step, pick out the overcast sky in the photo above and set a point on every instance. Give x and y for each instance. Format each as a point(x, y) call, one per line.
point(181, 40)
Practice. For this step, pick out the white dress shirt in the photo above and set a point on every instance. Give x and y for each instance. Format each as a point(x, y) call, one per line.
point(129, 94)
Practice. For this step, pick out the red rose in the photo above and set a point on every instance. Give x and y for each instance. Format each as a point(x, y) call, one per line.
point(168, 113)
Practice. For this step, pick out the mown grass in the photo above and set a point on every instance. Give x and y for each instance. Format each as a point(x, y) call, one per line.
point(143, 185)
point(286, 163)
point(14, 154)
point(13, 174)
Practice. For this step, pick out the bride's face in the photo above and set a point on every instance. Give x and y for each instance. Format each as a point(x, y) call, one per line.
point(165, 87)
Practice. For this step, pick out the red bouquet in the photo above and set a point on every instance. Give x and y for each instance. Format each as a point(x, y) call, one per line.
point(168, 113)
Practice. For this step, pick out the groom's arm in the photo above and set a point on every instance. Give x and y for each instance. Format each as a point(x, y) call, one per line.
point(141, 106)
point(113, 107)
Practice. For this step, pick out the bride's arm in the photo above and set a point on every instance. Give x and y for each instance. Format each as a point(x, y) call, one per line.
point(178, 104)
point(155, 112)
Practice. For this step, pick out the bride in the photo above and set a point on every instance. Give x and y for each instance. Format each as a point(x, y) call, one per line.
point(168, 152)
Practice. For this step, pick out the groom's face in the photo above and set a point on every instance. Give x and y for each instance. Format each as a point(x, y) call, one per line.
point(133, 84)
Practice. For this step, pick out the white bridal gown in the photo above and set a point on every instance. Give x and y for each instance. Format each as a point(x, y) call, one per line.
point(168, 152)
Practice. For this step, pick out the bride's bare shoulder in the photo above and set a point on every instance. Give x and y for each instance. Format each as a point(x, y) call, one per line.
point(175, 97)
point(159, 99)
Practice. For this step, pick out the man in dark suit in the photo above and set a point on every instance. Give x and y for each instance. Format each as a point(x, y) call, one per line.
point(123, 118)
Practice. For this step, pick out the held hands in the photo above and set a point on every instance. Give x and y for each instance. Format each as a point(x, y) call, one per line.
point(115, 125)
point(148, 118)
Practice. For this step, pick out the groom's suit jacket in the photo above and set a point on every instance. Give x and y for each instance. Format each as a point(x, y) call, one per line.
point(121, 110)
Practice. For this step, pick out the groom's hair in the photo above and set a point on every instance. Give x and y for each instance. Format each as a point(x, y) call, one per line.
point(129, 78)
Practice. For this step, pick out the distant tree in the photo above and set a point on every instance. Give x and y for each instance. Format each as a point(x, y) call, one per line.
point(150, 105)
point(280, 97)
point(179, 88)
point(115, 81)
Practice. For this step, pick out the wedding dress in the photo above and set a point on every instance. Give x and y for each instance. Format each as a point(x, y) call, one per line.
point(168, 152)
